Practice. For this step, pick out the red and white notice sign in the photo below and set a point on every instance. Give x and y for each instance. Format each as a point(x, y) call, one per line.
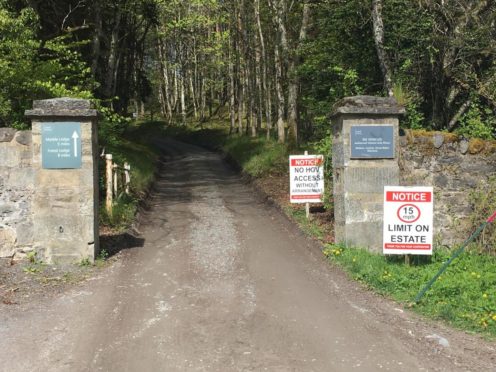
point(306, 178)
point(408, 216)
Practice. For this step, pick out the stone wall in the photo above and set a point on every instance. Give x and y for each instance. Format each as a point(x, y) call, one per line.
point(16, 192)
point(454, 167)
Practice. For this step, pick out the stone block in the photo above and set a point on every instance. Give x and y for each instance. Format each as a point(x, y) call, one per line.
point(363, 179)
point(450, 159)
point(440, 180)
point(7, 134)
point(24, 138)
point(7, 209)
point(8, 238)
point(365, 235)
point(21, 177)
point(9, 155)
point(59, 177)
point(438, 140)
point(337, 155)
point(368, 105)
point(25, 234)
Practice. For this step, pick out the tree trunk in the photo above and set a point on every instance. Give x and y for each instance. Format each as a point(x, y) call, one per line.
point(164, 82)
point(98, 32)
point(258, 86)
point(241, 77)
point(461, 110)
point(294, 81)
point(280, 56)
point(265, 92)
point(112, 58)
point(232, 94)
point(281, 102)
point(378, 28)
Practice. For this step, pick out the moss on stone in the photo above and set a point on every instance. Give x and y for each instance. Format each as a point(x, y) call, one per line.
point(476, 145)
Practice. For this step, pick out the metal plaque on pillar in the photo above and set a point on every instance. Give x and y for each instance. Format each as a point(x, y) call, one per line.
point(61, 145)
point(372, 142)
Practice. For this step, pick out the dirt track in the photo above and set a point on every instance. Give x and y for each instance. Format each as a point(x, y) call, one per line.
point(223, 282)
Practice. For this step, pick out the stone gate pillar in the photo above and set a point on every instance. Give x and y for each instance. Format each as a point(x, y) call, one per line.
point(365, 159)
point(65, 165)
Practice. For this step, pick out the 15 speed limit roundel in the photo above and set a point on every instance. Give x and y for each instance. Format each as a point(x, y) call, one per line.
point(408, 213)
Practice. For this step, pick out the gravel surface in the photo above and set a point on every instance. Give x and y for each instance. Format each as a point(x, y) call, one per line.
point(224, 282)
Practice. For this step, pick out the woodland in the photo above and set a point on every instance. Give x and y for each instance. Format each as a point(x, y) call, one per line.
point(268, 67)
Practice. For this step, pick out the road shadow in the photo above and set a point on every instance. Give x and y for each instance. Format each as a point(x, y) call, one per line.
point(113, 244)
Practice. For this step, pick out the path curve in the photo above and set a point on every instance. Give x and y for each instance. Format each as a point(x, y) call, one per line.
point(225, 283)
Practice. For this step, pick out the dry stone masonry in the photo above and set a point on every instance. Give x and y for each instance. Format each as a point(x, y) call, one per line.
point(455, 167)
point(16, 192)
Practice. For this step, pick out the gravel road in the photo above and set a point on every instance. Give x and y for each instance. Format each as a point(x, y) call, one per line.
point(223, 282)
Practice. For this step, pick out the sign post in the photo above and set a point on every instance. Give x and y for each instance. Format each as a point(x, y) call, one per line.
point(306, 175)
point(408, 216)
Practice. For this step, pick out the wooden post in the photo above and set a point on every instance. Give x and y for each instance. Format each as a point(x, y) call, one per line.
point(115, 169)
point(307, 205)
point(127, 175)
point(109, 171)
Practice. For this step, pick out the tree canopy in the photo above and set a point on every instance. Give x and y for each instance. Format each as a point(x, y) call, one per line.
point(269, 65)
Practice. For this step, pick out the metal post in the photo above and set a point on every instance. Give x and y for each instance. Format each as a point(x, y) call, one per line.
point(307, 205)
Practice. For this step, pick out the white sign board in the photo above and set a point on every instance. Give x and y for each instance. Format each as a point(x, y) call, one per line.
point(306, 178)
point(408, 216)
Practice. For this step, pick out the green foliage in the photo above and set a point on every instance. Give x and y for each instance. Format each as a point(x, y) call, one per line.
point(307, 225)
point(102, 258)
point(330, 69)
point(31, 269)
point(85, 262)
point(464, 296)
point(35, 264)
point(133, 145)
point(258, 156)
point(414, 117)
point(483, 202)
point(477, 122)
point(324, 147)
point(123, 212)
point(31, 256)
point(31, 68)
point(112, 126)
point(103, 255)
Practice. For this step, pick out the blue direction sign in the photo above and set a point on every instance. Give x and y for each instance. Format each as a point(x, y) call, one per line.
point(61, 145)
point(372, 141)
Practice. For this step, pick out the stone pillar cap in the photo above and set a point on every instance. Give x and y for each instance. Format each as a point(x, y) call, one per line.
point(62, 107)
point(369, 105)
